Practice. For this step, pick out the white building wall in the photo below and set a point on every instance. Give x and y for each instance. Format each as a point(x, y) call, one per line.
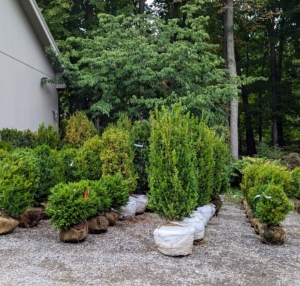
point(24, 102)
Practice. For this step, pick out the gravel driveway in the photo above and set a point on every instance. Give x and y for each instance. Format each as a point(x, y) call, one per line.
point(126, 255)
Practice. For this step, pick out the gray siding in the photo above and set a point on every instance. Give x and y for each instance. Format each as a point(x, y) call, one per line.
point(24, 103)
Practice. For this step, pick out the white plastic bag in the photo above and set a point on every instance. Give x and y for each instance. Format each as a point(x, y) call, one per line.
point(174, 240)
point(195, 222)
point(213, 209)
point(129, 210)
point(141, 203)
point(205, 211)
point(201, 216)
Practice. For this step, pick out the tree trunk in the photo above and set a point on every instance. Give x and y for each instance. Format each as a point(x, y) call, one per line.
point(251, 150)
point(89, 12)
point(230, 57)
point(175, 10)
point(142, 7)
point(273, 78)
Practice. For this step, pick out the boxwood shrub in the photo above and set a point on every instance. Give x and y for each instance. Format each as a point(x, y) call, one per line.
point(51, 171)
point(117, 189)
point(72, 203)
point(19, 179)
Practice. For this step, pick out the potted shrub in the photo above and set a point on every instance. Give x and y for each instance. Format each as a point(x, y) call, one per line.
point(172, 179)
point(70, 205)
point(19, 176)
point(118, 191)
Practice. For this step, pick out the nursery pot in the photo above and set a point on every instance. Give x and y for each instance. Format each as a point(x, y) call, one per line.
point(7, 224)
point(76, 233)
point(173, 239)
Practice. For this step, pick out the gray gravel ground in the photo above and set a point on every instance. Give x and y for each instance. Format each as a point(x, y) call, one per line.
point(126, 255)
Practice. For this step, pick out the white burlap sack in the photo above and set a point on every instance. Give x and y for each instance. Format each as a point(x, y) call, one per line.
point(174, 240)
point(213, 209)
point(206, 211)
point(141, 203)
point(201, 216)
point(129, 210)
point(195, 222)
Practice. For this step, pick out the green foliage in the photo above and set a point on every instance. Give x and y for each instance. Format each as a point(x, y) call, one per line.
point(3, 154)
point(291, 161)
point(172, 175)
point(236, 168)
point(203, 139)
point(79, 129)
point(117, 190)
point(295, 183)
point(262, 173)
point(51, 172)
point(269, 152)
point(6, 146)
point(72, 203)
point(19, 178)
point(47, 136)
point(80, 164)
point(272, 205)
point(140, 133)
point(18, 139)
point(117, 155)
point(221, 169)
point(94, 144)
point(62, 129)
point(177, 62)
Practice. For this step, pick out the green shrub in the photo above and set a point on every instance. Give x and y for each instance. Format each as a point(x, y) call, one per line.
point(89, 163)
point(3, 154)
point(272, 205)
point(80, 164)
point(19, 177)
point(79, 129)
point(117, 155)
point(269, 152)
point(261, 173)
point(18, 139)
point(295, 183)
point(291, 161)
point(72, 203)
point(203, 139)
point(117, 190)
point(62, 129)
point(47, 136)
point(93, 144)
point(140, 133)
point(221, 170)
point(172, 179)
point(51, 171)
point(6, 146)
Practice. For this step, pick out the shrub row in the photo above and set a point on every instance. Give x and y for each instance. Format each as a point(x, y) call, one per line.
point(188, 163)
point(264, 186)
